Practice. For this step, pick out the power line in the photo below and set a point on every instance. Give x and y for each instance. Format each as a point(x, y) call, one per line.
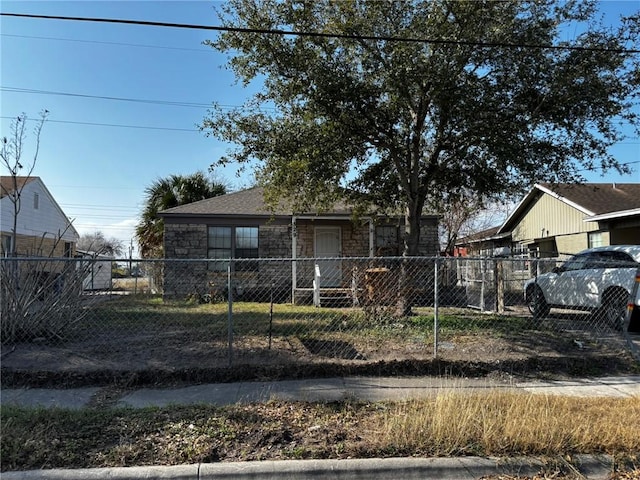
point(118, 125)
point(595, 169)
point(101, 97)
point(323, 35)
point(125, 99)
point(206, 50)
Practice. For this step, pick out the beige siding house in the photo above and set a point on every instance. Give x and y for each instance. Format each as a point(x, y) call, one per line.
point(567, 218)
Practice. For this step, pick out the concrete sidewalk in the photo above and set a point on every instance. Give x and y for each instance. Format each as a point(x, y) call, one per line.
point(463, 468)
point(369, 389)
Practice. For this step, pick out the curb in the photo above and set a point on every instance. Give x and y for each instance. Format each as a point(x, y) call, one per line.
point(460, 468)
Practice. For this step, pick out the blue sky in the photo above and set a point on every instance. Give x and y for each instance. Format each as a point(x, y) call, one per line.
point(98, 173)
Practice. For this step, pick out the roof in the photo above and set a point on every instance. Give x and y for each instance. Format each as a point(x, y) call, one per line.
point(592, 199)
point(483, 235)
point(248, 202)
point(7, 186)
point(598, 198)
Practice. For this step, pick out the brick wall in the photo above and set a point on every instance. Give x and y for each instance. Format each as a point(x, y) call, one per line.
point(189, 242)
point(47, 246)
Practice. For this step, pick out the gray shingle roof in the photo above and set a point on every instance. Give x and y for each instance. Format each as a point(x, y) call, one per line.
point(600, 198)
point(248, 202)
point(590, 198)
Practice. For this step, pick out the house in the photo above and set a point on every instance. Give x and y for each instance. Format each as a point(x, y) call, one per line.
point(482, 243)
point(567, 218)
point(42, 227)
point(552, 220)
point(239, 225)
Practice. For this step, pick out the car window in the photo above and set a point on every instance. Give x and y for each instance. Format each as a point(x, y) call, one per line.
point(618, 259)
point(579, 262)
point(608, 259)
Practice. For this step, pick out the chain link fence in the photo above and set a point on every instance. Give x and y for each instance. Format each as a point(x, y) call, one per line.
point(127, 316)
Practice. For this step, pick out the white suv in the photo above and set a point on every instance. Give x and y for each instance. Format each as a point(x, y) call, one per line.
point(598, 279)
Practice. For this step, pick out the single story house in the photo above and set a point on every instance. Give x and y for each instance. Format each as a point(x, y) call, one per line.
point(239, 226)
point(560, 219)
point(42, 227)
point(554, 221)
point(567, 218)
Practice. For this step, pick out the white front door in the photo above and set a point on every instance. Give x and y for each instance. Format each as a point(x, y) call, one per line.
point(328, 244)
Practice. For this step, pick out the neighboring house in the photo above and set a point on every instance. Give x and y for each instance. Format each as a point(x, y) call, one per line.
point(566, 218)
point(239, 225)
point(483, 243)
point(560, 219)
point(42, 229)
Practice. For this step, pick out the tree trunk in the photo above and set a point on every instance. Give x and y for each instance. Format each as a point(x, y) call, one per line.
point(411, 249)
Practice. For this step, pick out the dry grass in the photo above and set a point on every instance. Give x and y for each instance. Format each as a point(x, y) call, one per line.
point(132, 284)
point(507, 422)
point(450, 424)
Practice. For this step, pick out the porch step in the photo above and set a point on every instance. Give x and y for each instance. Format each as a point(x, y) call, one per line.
point(336, 300)
point(329, 297)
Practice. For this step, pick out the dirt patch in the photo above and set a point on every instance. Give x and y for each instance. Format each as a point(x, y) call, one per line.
point(472, 356)
point(146, 343)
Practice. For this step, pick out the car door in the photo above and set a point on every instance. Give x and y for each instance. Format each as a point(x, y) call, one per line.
point(561, 288)
point(587, 281)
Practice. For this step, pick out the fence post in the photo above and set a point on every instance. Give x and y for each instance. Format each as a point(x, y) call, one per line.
point(230, 314)
point(483, 279)
point(436, 326)
point(500, 286)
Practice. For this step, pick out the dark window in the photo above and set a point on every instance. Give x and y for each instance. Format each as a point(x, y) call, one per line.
point(579, 262)
point(68, 249)
point(233, 242)
point(246, 246)
point(387, 244)
point(613, 260)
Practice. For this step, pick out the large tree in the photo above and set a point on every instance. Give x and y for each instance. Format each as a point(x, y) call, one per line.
point(402, 101)
point(167, 193)
point(97, 243)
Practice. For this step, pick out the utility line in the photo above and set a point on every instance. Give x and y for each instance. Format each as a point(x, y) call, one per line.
point(125, 99)
point(205, 50)
point(117, 125)
point(121, 99)
point(323, 35)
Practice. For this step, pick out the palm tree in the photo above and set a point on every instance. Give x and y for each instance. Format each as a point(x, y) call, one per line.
point(167, 193)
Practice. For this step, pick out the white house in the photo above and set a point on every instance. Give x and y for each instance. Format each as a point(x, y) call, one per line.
point(42, 227)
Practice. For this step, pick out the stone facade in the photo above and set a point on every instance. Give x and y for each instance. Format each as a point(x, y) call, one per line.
point(187, 272)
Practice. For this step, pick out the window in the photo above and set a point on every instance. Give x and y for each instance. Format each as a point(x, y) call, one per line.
point(36, 201)
point(579, 262)
point(68, 249)
point(246, 247)
point(595, 239)
point(233, 242)
point(612, 260)
point(521, 256)
point(387, 243)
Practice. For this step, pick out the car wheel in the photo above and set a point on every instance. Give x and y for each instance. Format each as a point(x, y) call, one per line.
point(537, 304)
point(614, 309)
